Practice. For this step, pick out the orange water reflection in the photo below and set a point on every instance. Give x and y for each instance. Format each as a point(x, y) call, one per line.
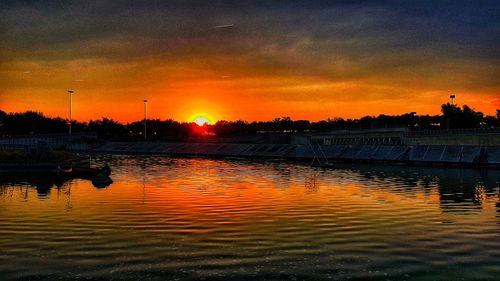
point(203, 188)
point(199, 218)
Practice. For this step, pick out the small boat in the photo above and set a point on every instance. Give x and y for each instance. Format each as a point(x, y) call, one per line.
point(64, 170)
point(99, 177)
point(90, 173)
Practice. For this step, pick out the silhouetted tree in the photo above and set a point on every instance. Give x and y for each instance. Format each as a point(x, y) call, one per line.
point(36, 123)
point(106, 127)
point(455, 117)
point(301, 125)
point(31, 122)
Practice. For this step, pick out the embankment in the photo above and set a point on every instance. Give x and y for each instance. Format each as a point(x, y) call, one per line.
point(414, 154)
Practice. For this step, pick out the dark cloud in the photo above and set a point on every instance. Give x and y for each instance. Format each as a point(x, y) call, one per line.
point(424, 44)
point(361, 28)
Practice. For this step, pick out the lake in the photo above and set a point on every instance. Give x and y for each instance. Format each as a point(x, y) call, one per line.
point(201, 219)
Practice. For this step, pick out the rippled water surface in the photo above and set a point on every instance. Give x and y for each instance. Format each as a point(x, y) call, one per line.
point(199, 219)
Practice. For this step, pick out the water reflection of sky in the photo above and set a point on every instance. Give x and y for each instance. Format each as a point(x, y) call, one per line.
point(457, 190)
point(252, 220)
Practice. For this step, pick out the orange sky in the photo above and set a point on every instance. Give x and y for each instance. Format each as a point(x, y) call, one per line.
point(309, 62)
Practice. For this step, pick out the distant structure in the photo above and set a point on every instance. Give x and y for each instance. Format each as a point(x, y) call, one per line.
point(379, 136)
point(145, 118)
point(403, 136)
point(70, 93)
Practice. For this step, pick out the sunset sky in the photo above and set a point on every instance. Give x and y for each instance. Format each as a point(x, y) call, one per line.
point(251, 60)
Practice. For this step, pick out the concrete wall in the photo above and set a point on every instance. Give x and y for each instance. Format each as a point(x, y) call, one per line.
point(53, 140)
point(398, 136)
point(393, 153)
point(485, 140)
point(388, 136)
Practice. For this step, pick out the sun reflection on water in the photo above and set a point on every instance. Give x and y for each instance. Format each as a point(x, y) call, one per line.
point(263, 217)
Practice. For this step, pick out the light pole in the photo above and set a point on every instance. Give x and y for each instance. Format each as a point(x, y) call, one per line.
point(145, 117)
point(452, 97)
point(70, 93)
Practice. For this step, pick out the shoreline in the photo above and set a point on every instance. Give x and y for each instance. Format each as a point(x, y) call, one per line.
point(402, 155)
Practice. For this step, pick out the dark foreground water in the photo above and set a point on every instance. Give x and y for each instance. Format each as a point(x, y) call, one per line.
point(198, 219)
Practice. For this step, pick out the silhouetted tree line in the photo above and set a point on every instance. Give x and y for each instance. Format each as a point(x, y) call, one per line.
point(452, 117)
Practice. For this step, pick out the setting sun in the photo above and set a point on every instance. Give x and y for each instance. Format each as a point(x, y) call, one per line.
point(201, 120)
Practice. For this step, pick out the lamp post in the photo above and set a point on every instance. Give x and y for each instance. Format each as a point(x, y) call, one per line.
point(452, 97)
point(70, 93)
point(145, 117)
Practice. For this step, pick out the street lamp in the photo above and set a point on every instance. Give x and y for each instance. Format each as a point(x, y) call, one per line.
point(452, 97)
point(145, 117)
point(70, 93)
